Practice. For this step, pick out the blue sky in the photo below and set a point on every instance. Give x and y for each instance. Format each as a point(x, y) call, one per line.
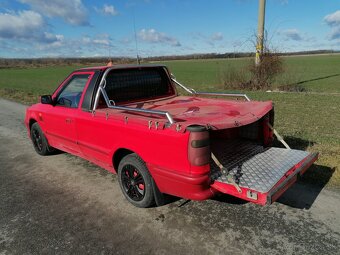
point(83, 28)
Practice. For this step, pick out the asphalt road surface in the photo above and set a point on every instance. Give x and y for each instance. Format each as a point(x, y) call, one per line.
point(64, 205)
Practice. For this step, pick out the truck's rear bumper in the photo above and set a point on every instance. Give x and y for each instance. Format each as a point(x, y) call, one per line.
point(195, 187)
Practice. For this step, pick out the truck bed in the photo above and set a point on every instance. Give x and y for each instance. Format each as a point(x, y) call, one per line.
point(219, 114)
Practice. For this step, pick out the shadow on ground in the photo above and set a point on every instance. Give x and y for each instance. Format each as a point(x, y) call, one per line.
point(317, 175)
point(223, 198)
point(303, 194)
point(295, 143)
point(319, 78)
point(298, 87)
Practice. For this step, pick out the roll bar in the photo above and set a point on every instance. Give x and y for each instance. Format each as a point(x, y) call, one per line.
point(111, 104)
point(194, 92)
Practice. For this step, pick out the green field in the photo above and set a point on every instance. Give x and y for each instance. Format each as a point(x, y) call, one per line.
point(315, 73)
point(308, 120)
point(26, 84)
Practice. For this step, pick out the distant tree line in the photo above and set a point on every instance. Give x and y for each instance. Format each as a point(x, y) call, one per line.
point(38, 62)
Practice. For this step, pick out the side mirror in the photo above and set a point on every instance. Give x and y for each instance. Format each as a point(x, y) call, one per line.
point(46, 99)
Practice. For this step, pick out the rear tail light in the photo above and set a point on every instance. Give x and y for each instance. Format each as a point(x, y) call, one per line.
point(199, 145)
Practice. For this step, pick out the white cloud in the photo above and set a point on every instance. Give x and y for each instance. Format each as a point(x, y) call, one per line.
point(100, 40)
point(210, 40)
point(51, 42)
point(109, 10)
point(71, 11)
point(98, 44)
point(20, 25)
point(24, 33)
point(85, 40)
point(335, 33)
point(217, 36)
point(333, 19)
point(52, 38)
point(292, 34)
point(152, 36)
point(26, 25)
point(284, 2)
point(197, 36)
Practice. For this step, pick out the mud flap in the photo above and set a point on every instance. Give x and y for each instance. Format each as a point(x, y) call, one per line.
point(159, 197)
point(262, 174)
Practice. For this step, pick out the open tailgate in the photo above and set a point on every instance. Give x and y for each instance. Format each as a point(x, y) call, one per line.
point(261, 174)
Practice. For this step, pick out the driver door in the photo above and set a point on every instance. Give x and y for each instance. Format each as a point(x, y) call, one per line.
point(60, 119)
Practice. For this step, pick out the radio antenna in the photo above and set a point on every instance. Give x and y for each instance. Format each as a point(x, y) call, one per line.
point(134, 29)
point(109, 63)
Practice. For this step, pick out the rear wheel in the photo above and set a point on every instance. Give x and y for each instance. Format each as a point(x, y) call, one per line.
point(40, 143)
point(135, 181)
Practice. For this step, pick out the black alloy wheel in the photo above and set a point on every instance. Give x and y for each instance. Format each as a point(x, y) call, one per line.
point(39, 141)
point(135, 181)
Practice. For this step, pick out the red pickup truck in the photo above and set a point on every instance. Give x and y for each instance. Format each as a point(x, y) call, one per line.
point(130, 120)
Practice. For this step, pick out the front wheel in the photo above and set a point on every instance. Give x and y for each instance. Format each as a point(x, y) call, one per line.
point(135, 181)
point(39, 141)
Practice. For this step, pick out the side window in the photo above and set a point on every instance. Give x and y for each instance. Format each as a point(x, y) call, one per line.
point(72, 91)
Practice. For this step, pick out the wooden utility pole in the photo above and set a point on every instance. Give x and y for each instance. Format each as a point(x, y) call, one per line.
point(260, 32)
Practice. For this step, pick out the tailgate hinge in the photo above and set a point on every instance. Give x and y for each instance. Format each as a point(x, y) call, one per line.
point(230, 179)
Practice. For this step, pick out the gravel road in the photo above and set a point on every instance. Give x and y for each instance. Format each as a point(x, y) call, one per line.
point(64, 205)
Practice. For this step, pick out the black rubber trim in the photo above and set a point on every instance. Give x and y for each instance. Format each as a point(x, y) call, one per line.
point(90, 92)
point(200, 143)
point(196, 128)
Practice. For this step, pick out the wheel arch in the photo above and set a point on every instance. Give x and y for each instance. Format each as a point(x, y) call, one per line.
point(116, 159)
point(31, 122)
point(119, 155)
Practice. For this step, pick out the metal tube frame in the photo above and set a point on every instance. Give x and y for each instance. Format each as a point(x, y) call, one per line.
point(194, 92)
point(101, 90)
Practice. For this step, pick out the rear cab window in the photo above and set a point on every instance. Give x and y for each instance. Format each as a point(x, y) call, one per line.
point(138, 84)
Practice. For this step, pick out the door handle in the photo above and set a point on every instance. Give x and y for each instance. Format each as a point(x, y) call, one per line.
point(68, 121)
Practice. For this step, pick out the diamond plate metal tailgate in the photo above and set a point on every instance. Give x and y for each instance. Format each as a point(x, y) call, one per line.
point(263, 174)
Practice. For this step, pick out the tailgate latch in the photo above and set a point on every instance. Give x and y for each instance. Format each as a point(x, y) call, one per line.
point(251, 194)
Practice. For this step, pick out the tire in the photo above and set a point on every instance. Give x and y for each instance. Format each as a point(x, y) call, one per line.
point(135, 181)
point(39, 141)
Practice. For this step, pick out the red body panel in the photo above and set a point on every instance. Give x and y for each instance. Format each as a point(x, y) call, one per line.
point(219, 114)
